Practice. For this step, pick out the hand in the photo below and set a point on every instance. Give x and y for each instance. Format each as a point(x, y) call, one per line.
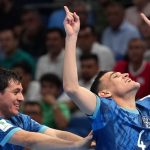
point(50, 99)
point(93, 143)
point(84, 144)
point(71, 22)
point(145, 18)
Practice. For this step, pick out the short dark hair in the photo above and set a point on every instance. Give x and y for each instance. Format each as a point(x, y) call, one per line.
point(96, 84)
point(58, 30)
point(24, 65)
point(51, 78)
point(6, 76)
point(10, 30)
point(90, 27)
point(32, 103)
point(89, 56)
point(114, 4)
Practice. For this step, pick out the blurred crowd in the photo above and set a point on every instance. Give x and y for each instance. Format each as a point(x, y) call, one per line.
point(112, 37)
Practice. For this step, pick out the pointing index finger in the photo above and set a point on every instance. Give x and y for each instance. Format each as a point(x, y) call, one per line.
point(66, 9)
point(145, 18)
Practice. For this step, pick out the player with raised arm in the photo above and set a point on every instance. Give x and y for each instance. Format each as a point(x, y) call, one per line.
point(118, 122)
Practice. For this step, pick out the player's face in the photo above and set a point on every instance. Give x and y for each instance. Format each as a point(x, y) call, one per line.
point(119, 84)
point(10, 99)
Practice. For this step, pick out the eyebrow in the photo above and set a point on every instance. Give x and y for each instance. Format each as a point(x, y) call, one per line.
point(17, 89)
point(111, 75)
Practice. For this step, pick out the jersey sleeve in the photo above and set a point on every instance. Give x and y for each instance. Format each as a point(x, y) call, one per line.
point(104, 112)
point(93, 116)
point(145, 101)
point(36, 127)
point(31, 125)
point(7, 130)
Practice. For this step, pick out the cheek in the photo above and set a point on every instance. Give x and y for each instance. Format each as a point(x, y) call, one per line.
point(118, 86)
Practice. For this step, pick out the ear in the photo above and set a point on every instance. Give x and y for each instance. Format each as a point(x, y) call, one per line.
point(104, 93)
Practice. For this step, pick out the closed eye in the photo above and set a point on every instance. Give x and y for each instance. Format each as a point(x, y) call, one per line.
point(115, 76)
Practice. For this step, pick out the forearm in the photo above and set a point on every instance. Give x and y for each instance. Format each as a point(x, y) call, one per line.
point(63, 135)
point(40, 141)
point(69, 136)
point(70, 77)
point(53, 143)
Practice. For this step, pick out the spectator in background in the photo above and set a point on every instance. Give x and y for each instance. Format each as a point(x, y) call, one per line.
point(89, 67)
point(138, 69)
point(52, 62)
point(56, 18)
point(55, 114)
point(33, 35)
point(12, 53)
point(133, 12)
point(31, 88)
point(84, 11)
point(100, 18)
point(145, 32)
point(9, 14)
point(87, 43)
point(34, 110)
point(80, 7)
point(119, 32)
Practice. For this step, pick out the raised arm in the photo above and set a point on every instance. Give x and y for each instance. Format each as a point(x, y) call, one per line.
point(83, 98)
point(40, 141)
point(145, 18)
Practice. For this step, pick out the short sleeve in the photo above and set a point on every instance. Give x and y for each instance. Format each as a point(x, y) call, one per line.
point(36, 127)
point(7, 130)
point(104, 112)
point(96, 109)
point(29, 124)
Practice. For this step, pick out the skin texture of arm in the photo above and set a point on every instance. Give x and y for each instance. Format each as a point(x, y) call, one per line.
point(40, 141)
point(63, 135)
point(83, 98)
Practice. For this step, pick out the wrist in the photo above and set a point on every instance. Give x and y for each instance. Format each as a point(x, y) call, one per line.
point(73, 36)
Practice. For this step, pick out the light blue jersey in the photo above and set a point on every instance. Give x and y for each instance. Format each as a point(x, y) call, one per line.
point(116, 128)
point(14, 124)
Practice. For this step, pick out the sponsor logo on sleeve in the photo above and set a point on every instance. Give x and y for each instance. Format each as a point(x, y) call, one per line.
point(4, 126)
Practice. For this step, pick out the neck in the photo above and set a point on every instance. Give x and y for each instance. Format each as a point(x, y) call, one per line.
point(126, 102)
point(3, 116)
point(136, 65)
point(53, 56)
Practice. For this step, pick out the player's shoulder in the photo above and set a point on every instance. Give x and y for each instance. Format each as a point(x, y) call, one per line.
point(145, 101)
point(106, 102)
point(20, 118)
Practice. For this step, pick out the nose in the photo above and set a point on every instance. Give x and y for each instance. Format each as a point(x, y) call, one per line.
point(125, 75)
point(20, 97)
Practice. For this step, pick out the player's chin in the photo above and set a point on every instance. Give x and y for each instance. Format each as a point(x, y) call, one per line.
point(15, 112)
point(137, 84)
